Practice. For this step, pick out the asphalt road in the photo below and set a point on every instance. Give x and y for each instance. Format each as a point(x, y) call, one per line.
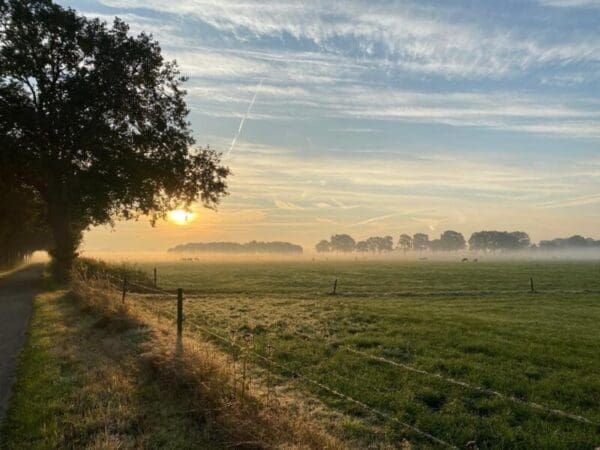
point(16, 301)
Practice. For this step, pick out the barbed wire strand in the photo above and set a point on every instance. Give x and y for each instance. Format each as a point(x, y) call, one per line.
point(463, 384)
point(329, 389)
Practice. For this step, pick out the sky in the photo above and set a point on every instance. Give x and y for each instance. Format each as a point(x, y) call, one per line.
point(381, 117)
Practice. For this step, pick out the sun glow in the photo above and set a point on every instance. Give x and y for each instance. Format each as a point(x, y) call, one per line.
point(181, 217)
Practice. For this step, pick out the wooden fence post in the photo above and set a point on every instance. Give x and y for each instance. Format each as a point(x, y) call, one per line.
point(179, 313)
point(155, 277)
point(334, 287)
point(124, 288)
point(531, 283)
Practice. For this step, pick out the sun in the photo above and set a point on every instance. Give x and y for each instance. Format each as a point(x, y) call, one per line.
point(181, 216)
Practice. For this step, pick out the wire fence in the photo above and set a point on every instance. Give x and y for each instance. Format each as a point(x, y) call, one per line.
point(125, 286)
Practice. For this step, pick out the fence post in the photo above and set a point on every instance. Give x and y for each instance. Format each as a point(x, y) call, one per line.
point(155, 277)
point(124, 289)
point(179, 313)
point(334, 287)
point(531, 283)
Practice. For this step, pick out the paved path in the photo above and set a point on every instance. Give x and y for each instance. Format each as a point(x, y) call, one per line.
point(16, 300)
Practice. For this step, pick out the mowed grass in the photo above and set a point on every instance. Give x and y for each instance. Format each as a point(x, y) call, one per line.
point(476, 323)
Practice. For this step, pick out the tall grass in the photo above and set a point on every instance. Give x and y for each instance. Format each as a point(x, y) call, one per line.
point(232, 404)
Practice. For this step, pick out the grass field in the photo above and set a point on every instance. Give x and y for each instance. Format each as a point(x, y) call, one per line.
point(433, 325)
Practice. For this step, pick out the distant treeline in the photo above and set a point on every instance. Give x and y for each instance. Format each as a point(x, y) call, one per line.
point(483, 241)
point(235, 247)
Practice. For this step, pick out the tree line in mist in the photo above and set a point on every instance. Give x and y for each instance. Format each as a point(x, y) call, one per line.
point(235, 247)
point(483, 241)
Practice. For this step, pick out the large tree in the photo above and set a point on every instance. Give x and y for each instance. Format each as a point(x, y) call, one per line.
point(94, 120)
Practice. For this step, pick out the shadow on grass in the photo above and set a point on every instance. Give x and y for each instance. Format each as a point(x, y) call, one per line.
point(81, 383)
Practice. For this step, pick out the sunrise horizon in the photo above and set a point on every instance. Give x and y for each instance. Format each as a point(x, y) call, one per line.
point(379, 118)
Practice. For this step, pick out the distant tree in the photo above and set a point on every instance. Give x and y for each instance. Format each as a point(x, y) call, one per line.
point(362, 246)
point(94, 121)
point(405, 243)
point(323, 246)
point(386, 244)
point(573, 243)
point(452, 241)
point(577, 242)
point(378, 244)
point(491, 241)
point(436, 245)
point(234, 247)
point(342, 243)
point(420, 242)
point(521, 240)
point(373, 244)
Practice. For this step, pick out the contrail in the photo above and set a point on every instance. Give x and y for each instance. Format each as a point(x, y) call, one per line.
point(239, 131)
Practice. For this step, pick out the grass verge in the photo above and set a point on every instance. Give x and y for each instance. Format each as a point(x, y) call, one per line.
point(80, 384)
point(95, 374)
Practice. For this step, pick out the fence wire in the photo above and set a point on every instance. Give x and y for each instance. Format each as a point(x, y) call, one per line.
point(364, 355)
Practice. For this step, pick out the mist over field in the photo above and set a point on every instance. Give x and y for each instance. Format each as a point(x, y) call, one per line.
point(320, 225)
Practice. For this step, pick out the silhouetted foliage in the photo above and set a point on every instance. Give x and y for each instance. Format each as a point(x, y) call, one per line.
point(405, 243)
point(492, 241)
point(362, 247)
point(420, 242)
point(378, 244)
point(234, 247)
point(342, 243)
point(449, 241)
point(323, 246)
point(573, 243)
point(94, 121)
point(22, 226)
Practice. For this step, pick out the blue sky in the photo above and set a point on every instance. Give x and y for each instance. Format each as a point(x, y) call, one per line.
point(381, 117)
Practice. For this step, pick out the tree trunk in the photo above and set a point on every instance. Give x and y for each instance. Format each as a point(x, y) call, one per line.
point(67, 237)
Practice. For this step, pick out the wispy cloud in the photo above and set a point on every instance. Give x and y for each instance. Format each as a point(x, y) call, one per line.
point(389, 115)
point(281, 204)
point(412, 37)
point(571, 3)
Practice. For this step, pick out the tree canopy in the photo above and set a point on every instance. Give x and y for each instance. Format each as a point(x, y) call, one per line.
point(342, 243)
point(405, 242)
point(93, 120)
point(234, 247)
point(576, 242)
point(22, 226)
point(491, 241)
point(451, 241)
point(420, 242)
point(323, 246)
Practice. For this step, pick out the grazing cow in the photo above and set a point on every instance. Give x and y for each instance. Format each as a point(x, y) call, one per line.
point(465, 260)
